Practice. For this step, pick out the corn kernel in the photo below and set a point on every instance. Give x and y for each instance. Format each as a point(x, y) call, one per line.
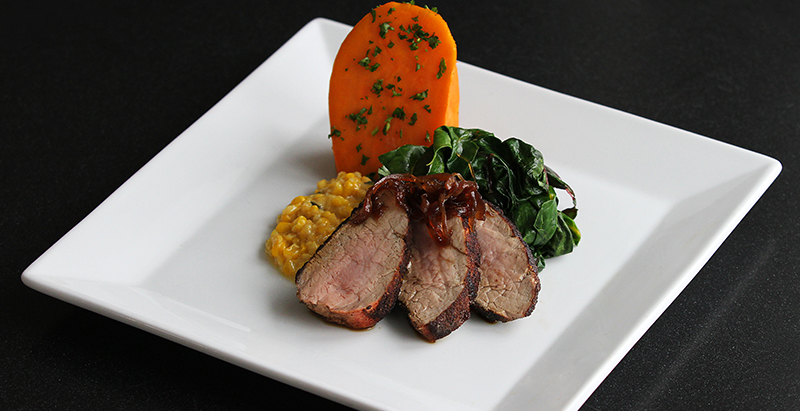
point(283, 227)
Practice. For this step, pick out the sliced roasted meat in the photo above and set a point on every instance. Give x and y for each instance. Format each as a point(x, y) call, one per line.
point(354, 277)
point(509, 284)
point(442, 278)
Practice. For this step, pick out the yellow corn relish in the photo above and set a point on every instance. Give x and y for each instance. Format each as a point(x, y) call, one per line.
point(308, 220)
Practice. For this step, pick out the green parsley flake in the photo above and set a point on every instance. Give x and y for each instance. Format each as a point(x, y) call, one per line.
point(364, 160)
point(358, 148)
point(359, 118)
point(391, 88)
point(384, 28)
point(442, 68)
point(420, 96)
point(398, 113)
point(415, 35)
point(413, 119)
point(377, 87)
point(365, 62)
point(427, 108)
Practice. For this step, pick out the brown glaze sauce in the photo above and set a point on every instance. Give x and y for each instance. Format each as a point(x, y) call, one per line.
point(432, 199)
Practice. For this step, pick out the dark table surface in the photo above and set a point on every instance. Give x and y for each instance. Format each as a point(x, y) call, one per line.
point(90, 91)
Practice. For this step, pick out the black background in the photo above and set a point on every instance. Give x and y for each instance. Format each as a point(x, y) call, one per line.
point(90, 91)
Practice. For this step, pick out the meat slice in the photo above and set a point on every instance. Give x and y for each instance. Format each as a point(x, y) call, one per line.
point(441, 280)
point(509, 284)
point(354, 277)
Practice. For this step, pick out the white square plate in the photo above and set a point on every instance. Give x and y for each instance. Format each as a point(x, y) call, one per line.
point(178, 249)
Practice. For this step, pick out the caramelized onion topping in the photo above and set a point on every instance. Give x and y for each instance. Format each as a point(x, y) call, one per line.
point(432, 199)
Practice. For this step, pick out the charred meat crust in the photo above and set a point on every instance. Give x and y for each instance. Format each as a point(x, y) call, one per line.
point(474, 254)
point(492, 316)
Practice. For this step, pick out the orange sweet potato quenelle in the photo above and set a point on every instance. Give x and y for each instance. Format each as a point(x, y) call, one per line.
point(394, 81)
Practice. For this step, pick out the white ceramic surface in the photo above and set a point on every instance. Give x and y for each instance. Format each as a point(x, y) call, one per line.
point(178, 249)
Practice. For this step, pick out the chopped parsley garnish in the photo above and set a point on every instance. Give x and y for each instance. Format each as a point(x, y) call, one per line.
point(378, 51)
point(372, 12)
point(335, 133)
point(387, 125)
point(420, 96)
point(364, 160)
point(398, 113)
point(391, 88)
point(385, 27)
point(390, 45)
point(415, 35)
point(359, 118)
point(427, 108)
point(391, 10)
point(442, 68)
point(365, 63)
point(413, 119)
point(419, 66)
point(378, 87)
point(358, 148)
